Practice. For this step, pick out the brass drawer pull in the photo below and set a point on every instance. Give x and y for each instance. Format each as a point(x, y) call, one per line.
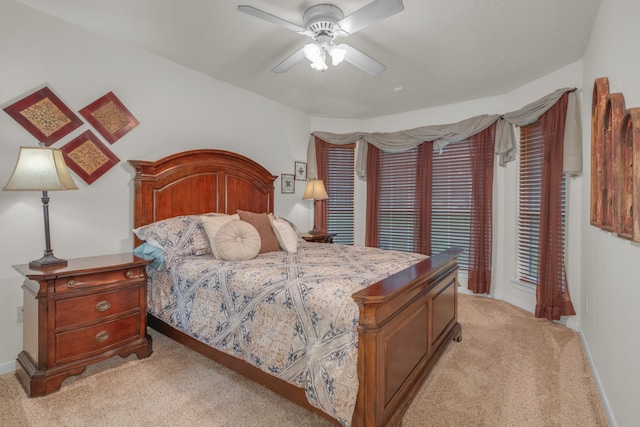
point(128, 274)
point(71, 283)
point(102, 336)
point(103, 305)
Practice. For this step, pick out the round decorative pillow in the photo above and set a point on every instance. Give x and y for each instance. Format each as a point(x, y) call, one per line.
point(237, 241)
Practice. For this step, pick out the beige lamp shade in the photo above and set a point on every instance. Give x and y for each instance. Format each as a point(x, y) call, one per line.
point(315, 190)
point(40, 169)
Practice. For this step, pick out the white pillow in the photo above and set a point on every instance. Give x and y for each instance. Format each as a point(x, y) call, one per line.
point(211, 226)
point(286, 235)
point(237, 241)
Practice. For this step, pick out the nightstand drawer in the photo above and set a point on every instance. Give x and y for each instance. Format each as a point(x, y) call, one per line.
point(84, 281)
point(72, 311)
point(80, 343)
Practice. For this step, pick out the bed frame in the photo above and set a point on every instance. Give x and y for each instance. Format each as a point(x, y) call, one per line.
point(406, 320)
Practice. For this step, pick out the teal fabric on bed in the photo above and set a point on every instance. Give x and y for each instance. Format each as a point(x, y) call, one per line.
point(145, 249)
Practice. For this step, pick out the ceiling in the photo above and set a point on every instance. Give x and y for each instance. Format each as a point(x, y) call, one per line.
point(436, 52)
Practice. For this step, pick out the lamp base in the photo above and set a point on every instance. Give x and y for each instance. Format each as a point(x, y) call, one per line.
point(315, 232)
point(47, 261)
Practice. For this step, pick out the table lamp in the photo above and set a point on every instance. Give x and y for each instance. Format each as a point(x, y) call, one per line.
point(42, 169)
point(315, 191)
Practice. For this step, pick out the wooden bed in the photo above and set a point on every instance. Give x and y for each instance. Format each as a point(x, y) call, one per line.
point(406, 320)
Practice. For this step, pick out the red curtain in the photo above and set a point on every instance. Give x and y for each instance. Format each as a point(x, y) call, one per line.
point(481, 152)
point(320, 210)
point(372, 237)
point(424, 199)
point(552, 293)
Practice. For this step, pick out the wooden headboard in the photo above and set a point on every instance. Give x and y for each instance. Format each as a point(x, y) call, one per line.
point(199, 181)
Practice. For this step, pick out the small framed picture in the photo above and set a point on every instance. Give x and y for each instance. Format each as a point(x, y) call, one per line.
point(287, 184)
point(110, 117)
point(301, 171)
point(88, 157)
point(44, 116)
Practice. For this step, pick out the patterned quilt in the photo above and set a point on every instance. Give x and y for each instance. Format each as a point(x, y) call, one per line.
point(289, 314)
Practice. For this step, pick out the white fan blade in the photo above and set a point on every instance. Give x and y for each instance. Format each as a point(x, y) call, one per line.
point(271, 18)
point(373, 12)
point(363, 61)
point(292, 60)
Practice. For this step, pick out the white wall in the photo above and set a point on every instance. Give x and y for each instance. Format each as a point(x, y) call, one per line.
point(177, 108)
point(611, 266)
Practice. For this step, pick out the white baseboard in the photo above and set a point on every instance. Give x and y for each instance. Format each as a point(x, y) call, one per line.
point(596, 377)
point(7, 367)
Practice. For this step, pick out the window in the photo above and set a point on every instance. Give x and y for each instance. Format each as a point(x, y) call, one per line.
point(398, 213)
point(426, 202)
point(530, 203)
point(340, 188)
point(451, 200)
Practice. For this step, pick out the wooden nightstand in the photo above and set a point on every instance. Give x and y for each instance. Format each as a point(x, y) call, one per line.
point(90, 310)
point(319, 238)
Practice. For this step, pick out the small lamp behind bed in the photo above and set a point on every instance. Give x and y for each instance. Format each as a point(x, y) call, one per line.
point(315, 191)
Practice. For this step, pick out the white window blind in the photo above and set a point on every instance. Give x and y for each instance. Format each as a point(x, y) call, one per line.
point(530, 191)
point(451, 212)
point(340, 188)
point(398, 216)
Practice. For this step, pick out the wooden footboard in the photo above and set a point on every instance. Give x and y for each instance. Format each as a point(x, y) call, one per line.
point(406, 321)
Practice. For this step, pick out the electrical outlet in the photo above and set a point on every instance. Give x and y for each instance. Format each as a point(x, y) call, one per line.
point(20, 314)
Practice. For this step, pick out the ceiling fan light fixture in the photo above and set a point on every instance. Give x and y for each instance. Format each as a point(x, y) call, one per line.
point(312, 52)
point(320, 64)
point(337, 52)
point(315, 54)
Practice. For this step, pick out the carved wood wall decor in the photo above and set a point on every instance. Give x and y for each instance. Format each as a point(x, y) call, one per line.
point(614, 112)
point(598, 105)
point(629, 205)
point(615, 163)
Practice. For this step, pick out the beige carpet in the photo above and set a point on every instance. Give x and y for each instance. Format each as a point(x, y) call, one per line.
point(501, 374)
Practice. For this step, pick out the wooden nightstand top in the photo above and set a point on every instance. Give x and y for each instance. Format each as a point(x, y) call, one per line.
point(319, 238)
point(85, 265)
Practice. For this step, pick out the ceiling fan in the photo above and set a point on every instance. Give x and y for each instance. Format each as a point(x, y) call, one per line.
point(324, 23)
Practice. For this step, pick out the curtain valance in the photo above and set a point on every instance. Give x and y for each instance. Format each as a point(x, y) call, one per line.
point(441, 135)
point(505, 138)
